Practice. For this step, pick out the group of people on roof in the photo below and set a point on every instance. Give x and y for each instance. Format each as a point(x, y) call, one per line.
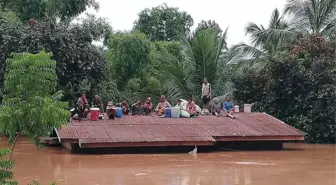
point(188, 107)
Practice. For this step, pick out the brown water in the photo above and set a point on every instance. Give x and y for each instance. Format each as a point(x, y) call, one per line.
point(298, 164)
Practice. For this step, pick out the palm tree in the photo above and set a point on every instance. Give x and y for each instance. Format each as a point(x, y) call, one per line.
point(315, 17)
point(202, 52)
point(265, 41)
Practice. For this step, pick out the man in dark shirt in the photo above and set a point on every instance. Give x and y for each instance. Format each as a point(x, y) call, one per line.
point(137, 108)
point(79, 109)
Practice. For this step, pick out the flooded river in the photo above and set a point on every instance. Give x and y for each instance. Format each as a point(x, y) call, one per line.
point(297, 164)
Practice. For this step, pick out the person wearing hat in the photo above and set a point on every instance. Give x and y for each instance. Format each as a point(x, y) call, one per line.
point(148, 106)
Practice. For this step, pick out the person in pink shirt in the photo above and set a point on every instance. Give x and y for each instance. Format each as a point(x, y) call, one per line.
point(191, 107)
point(148, 106)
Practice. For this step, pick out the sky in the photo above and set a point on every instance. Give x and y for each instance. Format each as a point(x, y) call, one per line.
point(121, 14)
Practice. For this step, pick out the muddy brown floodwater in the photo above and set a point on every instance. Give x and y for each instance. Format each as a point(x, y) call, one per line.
point(298, 164)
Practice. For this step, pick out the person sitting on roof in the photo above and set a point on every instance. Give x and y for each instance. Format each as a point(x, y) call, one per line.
point(86, 105)
point(148, 106)
point(228, 107)
point(78, 110)
point(111, 110)
point(125, 107)
point(161, 107)
point(137, 107)
point(97, 102)
point(216, 108)
point(191, 108)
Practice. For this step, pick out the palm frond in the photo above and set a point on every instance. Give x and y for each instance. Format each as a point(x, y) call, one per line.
point(312, 15)
point(278, 36)
point(206, 50)
point(275, 18)
point(295, 7)
point(172, 71)
point(253, 28)
point(247, 50)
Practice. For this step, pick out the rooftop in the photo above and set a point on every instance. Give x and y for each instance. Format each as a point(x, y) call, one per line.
point(154, 131)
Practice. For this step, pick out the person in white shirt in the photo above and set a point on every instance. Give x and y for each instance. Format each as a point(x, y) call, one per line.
point(206, 93)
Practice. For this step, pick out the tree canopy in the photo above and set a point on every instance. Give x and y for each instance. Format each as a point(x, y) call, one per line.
point(77, 58)
point(210, 24)
point(129, 56)
point(163, 23)
point(39, 9)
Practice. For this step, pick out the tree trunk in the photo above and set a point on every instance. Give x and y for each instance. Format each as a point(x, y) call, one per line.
point(13, 146)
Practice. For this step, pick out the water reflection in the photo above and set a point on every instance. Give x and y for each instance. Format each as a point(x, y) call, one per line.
point(222, 168)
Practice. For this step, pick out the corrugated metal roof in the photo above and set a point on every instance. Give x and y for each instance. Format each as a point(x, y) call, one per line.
point(155, 129)
point(141, 139)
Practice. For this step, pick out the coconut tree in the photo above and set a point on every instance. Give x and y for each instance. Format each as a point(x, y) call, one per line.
point(202, 58)
point(265, 41)
point(315, 17)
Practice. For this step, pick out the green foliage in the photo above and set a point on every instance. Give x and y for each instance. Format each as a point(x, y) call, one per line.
point(107, 89)
point(183, 72)
point(9, 20)
point(316, 17)
point(210, 24)
point(6, 176)
point(163, 23)
point(305, 17)
point(265, 42)
point(129, 56)
point(77, 58)
point(30, 103)
point(298, 88)
point(38, 9)
point(98, 28)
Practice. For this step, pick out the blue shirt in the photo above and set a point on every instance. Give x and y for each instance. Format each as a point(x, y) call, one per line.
point(228, 105)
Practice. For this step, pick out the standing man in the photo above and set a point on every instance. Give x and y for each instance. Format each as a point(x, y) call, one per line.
point(206, 94)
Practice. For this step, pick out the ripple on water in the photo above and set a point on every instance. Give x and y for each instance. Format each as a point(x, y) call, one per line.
point(180, 165)
point(251, 163)
point(140, 174)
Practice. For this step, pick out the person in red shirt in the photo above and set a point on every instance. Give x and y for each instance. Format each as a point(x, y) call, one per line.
point(148, 106)
point(83, 97)
point(191, 107)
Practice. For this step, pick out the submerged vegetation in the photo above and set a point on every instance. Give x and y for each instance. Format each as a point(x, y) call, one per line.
point(288, 69)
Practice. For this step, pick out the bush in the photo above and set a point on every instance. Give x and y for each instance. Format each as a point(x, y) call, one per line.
point(299, 89)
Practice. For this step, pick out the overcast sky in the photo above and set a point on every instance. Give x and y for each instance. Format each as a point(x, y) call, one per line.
point(233, 13)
